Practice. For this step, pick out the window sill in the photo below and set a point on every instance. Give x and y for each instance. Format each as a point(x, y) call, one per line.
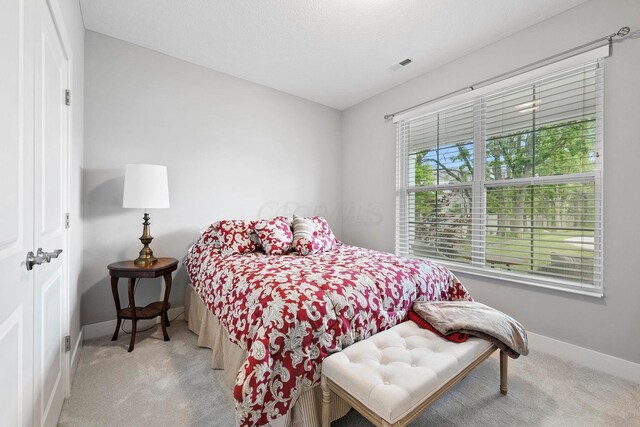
point(554, 284)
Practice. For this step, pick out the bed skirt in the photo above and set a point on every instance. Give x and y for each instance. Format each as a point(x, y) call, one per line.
point(227, 356)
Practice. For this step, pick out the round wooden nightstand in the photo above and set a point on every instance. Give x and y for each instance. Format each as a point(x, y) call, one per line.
point(164, 267)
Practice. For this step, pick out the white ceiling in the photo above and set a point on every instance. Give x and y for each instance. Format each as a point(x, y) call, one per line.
point(335, 52)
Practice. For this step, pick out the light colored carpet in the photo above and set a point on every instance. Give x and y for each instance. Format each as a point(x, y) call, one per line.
point(172, 384)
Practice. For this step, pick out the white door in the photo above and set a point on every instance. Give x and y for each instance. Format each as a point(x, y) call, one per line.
point(16, 215)
point(50, 201)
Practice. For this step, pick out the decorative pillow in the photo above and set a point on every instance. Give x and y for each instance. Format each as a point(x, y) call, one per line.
point(312, 235)
point(325, 231)
point(254, 237)
point(210, 235)
point(235, 237)
point(276, 237)
point(304, 231)
point(207, 242)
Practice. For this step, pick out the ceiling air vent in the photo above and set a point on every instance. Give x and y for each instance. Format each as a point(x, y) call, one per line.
point(400, 64)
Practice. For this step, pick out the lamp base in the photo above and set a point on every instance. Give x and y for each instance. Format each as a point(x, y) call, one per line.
point(145, 258)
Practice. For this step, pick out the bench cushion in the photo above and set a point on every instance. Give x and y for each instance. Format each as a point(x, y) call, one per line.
point(394, 370)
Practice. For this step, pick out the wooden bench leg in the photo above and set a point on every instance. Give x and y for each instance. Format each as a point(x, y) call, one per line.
point(326, 402)
point(504, 372)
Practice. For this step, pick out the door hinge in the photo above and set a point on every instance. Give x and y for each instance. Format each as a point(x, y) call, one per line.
point(67, 343)
point(67, 97)
point(67, 220)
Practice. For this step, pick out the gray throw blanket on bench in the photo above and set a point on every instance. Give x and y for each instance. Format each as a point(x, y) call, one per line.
point(479, 320)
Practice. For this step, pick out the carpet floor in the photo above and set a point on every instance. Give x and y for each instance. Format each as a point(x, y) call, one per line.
point(171, 384)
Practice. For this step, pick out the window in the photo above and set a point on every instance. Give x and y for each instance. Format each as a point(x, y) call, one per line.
point(508, 184)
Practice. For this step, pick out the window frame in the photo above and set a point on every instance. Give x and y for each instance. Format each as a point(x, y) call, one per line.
point(480, 183)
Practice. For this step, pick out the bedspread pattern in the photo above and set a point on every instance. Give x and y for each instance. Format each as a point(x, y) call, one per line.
point(289, 312)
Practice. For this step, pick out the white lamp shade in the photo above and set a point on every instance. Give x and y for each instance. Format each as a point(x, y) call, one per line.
point(146, 187)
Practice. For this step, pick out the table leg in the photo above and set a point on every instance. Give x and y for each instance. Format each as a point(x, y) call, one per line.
point(116, 299)
point(326, 402)
point(504, 368)
point(132, 306)
point(166, 318)
point(165, 303)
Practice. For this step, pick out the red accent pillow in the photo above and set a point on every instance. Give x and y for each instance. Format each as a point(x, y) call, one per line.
point(312, 235)
point(276, 237)
point(309, 246)
point(210, 235)
point(455, 337)
point(325, 233)
point(235, 237)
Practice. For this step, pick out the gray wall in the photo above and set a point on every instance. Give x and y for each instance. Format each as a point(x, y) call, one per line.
point(233, 149)
point(141, 105)
point(608, 325)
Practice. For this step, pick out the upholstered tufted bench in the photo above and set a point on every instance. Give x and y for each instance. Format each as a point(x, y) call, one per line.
point(394, 375)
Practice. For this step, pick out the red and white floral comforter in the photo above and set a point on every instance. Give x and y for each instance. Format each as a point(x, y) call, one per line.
point(289, 312)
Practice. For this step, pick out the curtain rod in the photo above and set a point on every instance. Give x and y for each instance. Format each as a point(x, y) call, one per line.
point(622, 32)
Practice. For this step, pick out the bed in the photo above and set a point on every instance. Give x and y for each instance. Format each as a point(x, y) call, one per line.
point(272, 319)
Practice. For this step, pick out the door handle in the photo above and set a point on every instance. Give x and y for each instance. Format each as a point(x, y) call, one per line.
point(35, 260)
point(49, 255)
point(41, 257)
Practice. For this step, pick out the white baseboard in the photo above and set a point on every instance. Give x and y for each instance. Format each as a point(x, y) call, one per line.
point(612, 365)
point(101, 329)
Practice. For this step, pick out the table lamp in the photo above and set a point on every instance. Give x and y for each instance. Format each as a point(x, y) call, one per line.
point(145, 187)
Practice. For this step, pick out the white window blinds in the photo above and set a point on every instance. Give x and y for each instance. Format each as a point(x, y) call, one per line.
point(509, 184)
